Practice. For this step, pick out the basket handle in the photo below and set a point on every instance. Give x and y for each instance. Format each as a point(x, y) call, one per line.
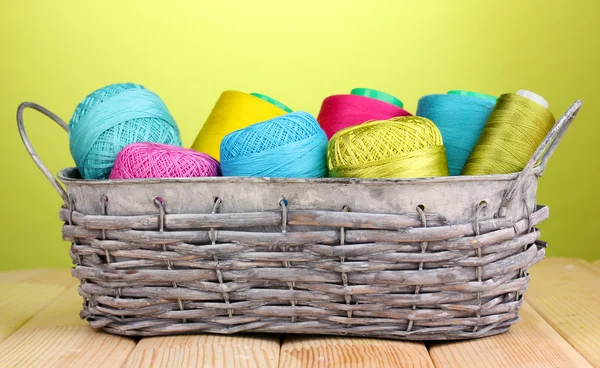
point(30, 149)
point(543, 152)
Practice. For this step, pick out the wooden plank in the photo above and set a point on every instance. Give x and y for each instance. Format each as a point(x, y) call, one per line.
point(530, 343)
point(25, 292)
point(206, 351)
point(57, 337)
point(566, 293)
point(51, 276)
point(338, 352)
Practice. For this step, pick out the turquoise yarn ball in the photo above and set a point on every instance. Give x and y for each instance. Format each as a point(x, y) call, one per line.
point(288, 146)
point(112, 117)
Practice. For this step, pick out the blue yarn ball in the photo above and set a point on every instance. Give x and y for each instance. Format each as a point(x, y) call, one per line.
point(288, 146)
point(112, 117)
point(460, 119)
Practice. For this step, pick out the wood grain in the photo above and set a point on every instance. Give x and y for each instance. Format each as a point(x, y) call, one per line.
point(248, 219)
point(338, 352)
point(566, 293)
point(49, 276)
point(24, 293)
point(530, 343)
point(206, 351)
point(57, 337)
point(408, 235)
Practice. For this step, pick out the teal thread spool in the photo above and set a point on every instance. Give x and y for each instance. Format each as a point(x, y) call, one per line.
point(112, 117)
point(460, 116)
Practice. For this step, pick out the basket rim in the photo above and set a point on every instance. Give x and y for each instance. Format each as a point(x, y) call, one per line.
point(68, 176)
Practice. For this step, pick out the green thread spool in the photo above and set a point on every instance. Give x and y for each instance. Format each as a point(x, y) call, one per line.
point(516, 126)
point(378, 95)
point(272, 101)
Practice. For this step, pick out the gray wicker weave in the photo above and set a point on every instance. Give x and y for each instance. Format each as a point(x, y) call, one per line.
point(417, 259)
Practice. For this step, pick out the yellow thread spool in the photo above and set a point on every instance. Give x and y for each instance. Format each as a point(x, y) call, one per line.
point(402, 147)
point(234, 110)
point(516, 126)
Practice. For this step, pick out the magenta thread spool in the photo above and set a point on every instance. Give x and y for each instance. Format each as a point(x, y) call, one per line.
point(362, 104)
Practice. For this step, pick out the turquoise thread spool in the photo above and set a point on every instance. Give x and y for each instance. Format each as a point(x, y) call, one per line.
point(460, 115)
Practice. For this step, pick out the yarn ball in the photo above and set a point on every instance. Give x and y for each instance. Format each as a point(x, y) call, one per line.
point(112, 117)
point(342, 111)
point(402, 147)
point(288, 146)
point(155, 160)
point(461, 119)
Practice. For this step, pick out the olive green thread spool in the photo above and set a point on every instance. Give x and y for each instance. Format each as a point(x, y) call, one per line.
point(516, 126)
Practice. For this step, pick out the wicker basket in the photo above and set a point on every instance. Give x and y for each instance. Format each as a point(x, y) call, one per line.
point(417, 259)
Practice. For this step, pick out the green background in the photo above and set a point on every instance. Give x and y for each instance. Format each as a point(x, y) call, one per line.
point(297, 52)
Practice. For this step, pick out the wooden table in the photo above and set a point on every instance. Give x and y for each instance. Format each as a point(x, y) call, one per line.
point(559, 327)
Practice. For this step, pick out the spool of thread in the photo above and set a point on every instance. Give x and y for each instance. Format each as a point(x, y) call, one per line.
point(289, 146)
point(112, 117)
point(154, 160)
point(272, 101)
point(362, 104)
point(517, 125)
point(401, 147)
point(234, 110)
point(460, 116)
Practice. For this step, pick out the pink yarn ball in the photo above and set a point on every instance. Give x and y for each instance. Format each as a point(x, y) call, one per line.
point(155, 160)
point(341, 111)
